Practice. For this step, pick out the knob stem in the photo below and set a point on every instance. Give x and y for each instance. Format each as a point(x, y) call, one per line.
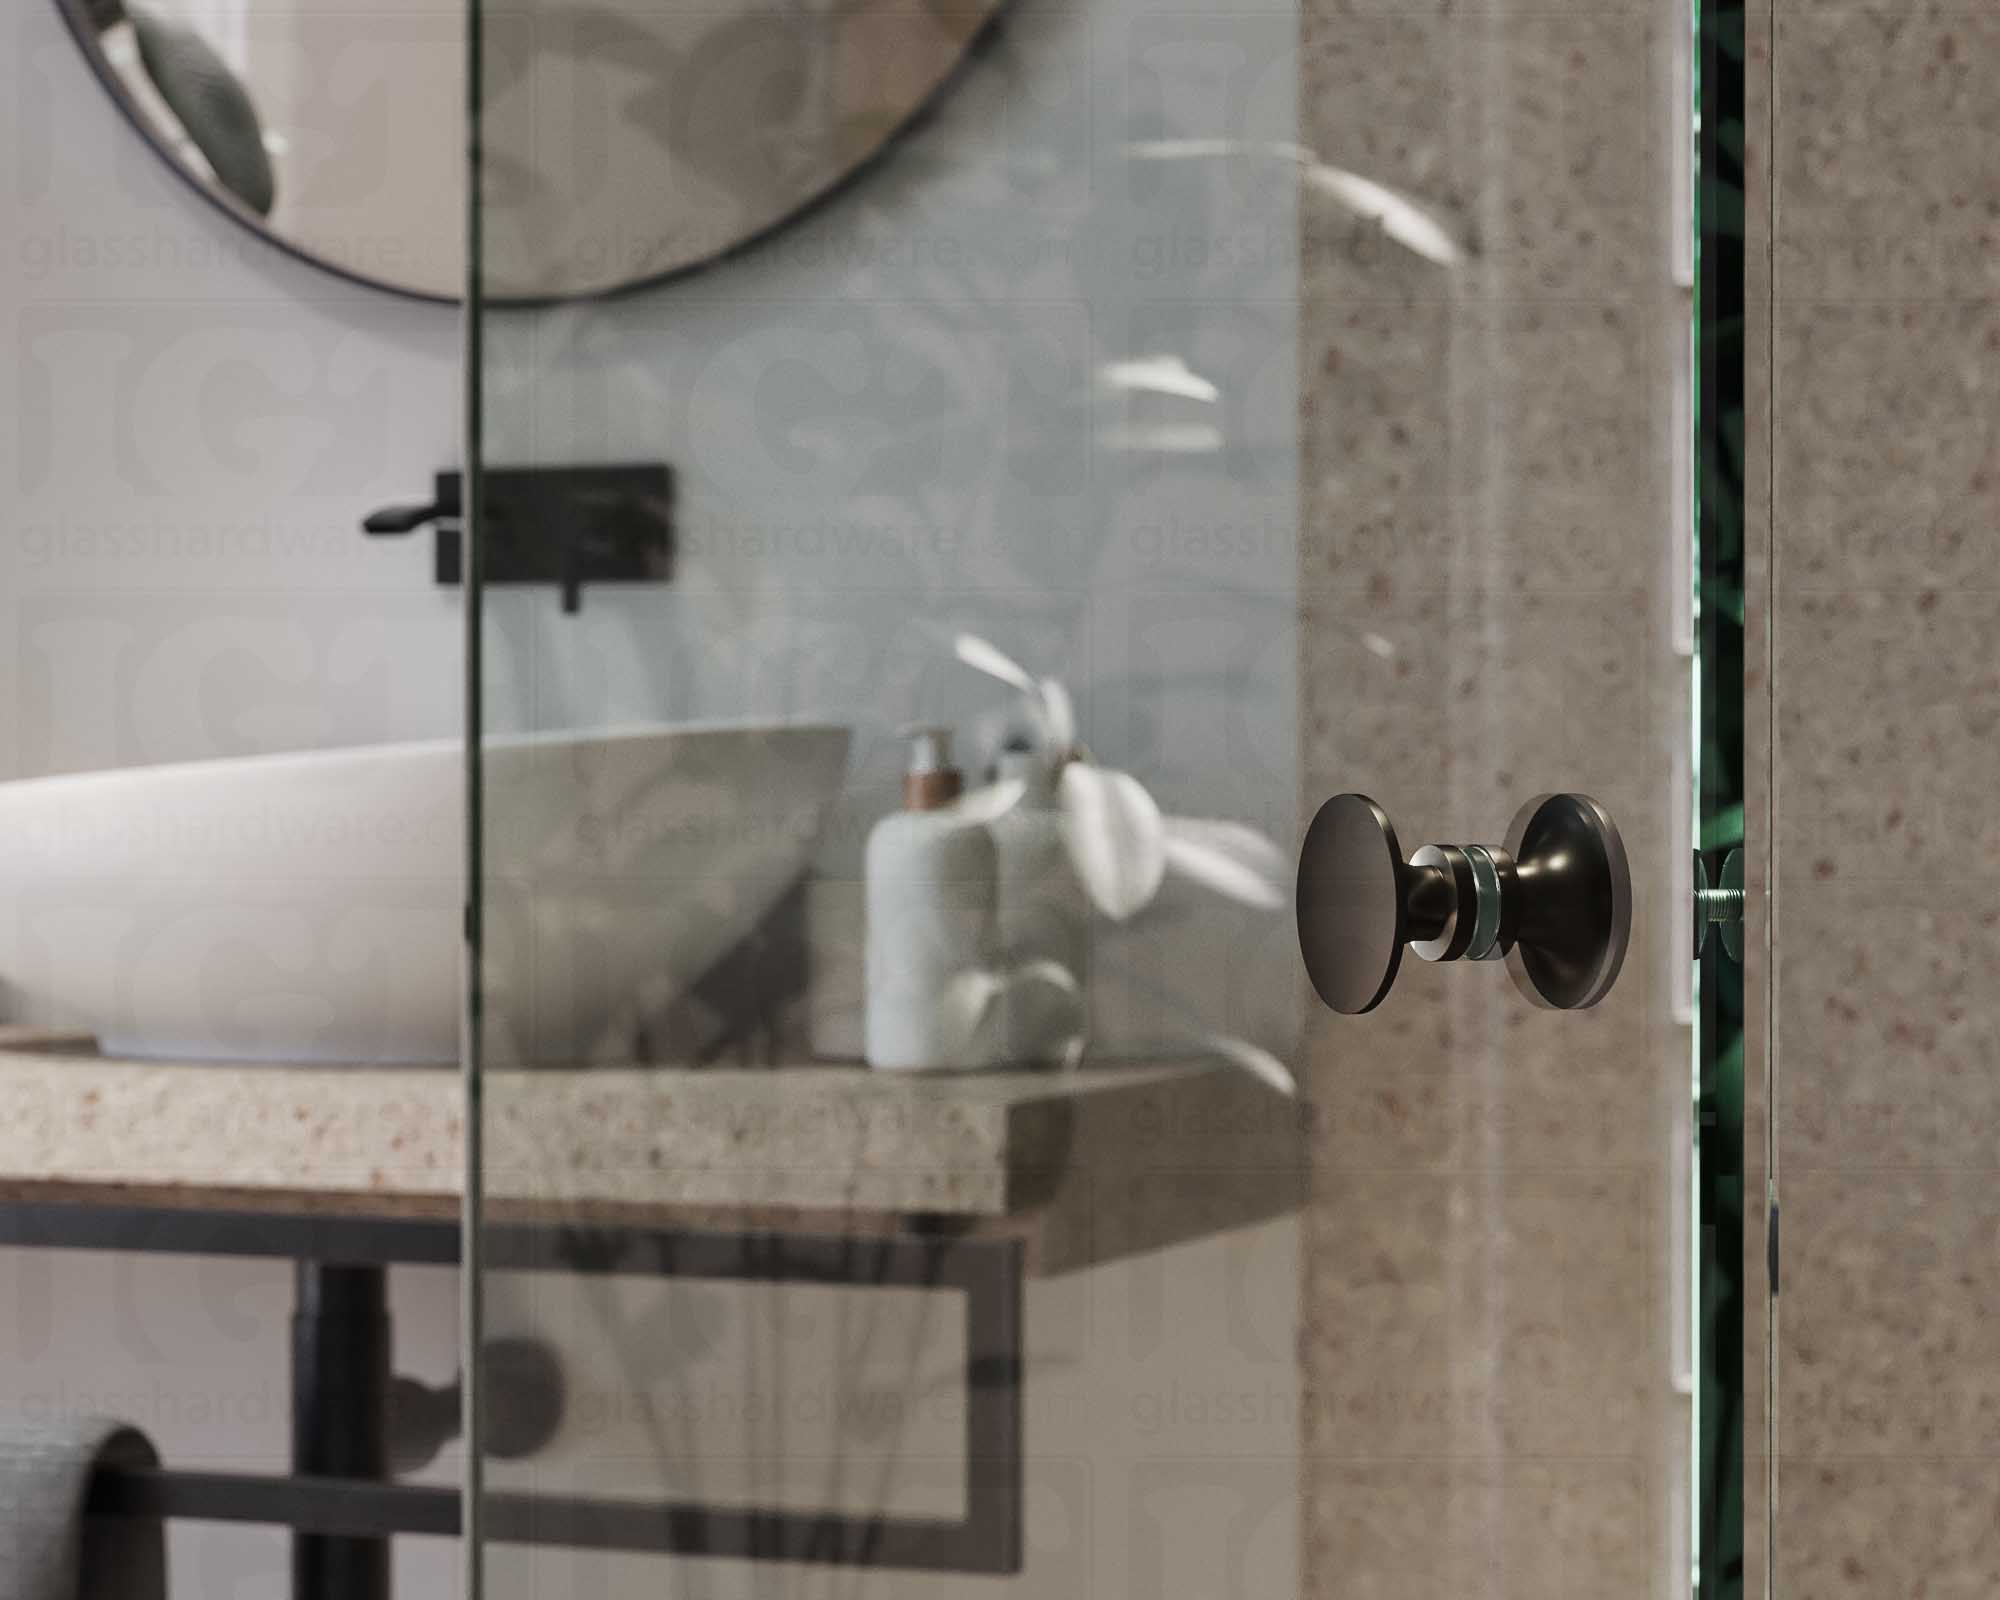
point(1430, 902)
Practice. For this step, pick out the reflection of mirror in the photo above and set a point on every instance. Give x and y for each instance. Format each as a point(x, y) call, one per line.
point(625, 140)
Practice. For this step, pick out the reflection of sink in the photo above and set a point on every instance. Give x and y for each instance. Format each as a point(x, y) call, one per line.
point(307, 907)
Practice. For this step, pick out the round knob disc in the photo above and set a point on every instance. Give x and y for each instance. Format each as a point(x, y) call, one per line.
point(1576, 901)
point(1702, 925)
point(1732, 883)
point(1351, 903)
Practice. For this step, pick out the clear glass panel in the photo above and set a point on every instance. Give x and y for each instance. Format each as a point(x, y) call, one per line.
point(924, 1166)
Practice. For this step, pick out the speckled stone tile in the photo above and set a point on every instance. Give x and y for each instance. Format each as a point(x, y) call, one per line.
point(1890, 1345)
point(1889, 442)
point(1454, 1079)
point(1324, 9)
point(1888, 1009)
point(1419, 97)
point(1380, 102)
point(1887, 184)
point(1103, 1161)
point(1788, 10)
point(1575, 209)
point(1889, 734)
point(1890, 929)
point(1517, 1309)
point(1886, 501)
point(1756, 1330)
point(1421, 484)
point(1527, 1530)
point(1866, 1530)
point(1452, 704)
point(1459, 708)
point(1482, 584)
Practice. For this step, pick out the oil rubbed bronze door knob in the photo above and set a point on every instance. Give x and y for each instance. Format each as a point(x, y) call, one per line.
point(1555, 902)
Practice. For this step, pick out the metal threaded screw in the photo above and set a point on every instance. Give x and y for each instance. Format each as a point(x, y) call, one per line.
point(1720, 905)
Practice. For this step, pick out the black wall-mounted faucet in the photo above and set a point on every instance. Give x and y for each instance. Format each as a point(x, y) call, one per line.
point(566, 526)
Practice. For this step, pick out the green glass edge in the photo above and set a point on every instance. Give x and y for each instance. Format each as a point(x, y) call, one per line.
point(1719, 531)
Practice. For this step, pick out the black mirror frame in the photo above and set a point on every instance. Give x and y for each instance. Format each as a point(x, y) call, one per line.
point(76, 16)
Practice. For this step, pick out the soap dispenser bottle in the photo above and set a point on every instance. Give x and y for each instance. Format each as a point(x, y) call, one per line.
point(932, 915)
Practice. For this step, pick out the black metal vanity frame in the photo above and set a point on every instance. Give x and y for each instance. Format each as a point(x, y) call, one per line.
point(343, 1523)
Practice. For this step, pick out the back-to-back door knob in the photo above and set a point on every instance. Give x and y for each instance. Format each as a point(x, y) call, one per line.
point(1555, 902)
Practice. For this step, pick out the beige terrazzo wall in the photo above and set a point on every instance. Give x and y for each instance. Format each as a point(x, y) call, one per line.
point(1757, 1307)
point(1886, 501)
point(1485, 571)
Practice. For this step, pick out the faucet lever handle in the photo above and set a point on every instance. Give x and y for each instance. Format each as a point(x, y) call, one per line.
point(404, 519)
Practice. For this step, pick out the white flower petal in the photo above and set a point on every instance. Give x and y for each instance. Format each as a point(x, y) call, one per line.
point(977, 653)
point(1058, 717)
point(1053, 973)
point(1259, 1063)
point(1399, 217)
point(980, 806)
point(967, 1001)
point(1230, 858)
point(1162, 374)
point(1115, 837)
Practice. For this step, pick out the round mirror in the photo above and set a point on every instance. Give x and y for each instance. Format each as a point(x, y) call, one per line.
point(625, 141)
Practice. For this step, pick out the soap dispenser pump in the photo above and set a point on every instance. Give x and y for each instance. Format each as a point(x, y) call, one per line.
point(933, 921)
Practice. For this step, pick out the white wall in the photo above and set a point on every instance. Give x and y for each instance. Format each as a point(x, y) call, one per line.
point(193, 426)
point(890, 418)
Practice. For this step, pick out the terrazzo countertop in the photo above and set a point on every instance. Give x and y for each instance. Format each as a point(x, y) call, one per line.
point(1085, 1166)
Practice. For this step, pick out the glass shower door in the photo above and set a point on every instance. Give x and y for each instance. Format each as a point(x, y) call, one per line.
point(953, 491)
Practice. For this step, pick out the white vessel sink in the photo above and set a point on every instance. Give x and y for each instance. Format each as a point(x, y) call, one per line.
point(308, 907)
